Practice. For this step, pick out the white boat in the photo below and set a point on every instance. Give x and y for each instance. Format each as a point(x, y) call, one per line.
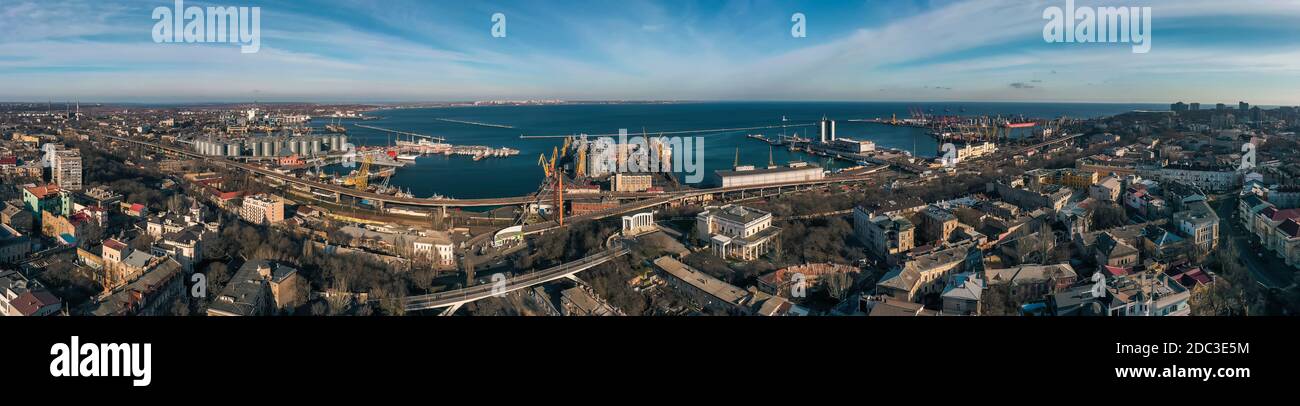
point(407, 157)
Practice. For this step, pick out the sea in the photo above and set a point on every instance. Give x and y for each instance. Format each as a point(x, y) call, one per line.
point(462, 177)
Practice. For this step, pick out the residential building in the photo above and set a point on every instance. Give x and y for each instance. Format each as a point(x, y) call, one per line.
point(67, 230)
point(1141, 201)
point(1200, 225)
point(1032, 282)
point(1163, 246)
point(885, 236)
point(15, 216)
point(164, 223)
point(763, 304)
point(65, 169)
point(262, 209)
point(437, 247)
point(890, 307)
point(259, 288)
point(1082, 300)
point(20, 297)
point(962, 295)
point(102, 196)
point(927, 274)
point(707, 290)
point(39, 199)
point(1216, 178)
point(1144, 294)
point(152, 294)
point(581, 301)
point(1053, 197)
point(936, 224)
point(1077, 179)
point(14, 245)
point(735, 231)
point(1111, 251)
point(185, 246)
point(1106, 190)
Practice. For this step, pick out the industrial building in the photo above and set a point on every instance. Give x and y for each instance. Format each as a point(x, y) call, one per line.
point(272, 146)
point(827, 130)
point(748, 175)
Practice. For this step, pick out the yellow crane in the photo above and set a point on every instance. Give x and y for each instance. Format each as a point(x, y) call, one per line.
point(555, 180)
point(581, 166)
point(362, 178)
point(541, 161)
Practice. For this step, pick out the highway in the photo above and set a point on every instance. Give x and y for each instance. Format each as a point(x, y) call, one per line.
point(476, 292)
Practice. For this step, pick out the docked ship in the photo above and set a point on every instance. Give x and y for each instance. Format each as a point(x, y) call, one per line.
point(336, 127)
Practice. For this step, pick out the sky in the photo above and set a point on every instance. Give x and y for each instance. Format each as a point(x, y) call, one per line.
point(1206, 51)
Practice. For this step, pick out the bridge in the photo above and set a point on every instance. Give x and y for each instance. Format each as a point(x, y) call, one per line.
point(1048, 142)
point(452, 300)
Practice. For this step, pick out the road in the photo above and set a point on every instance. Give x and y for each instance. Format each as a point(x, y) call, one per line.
point(1265, 267)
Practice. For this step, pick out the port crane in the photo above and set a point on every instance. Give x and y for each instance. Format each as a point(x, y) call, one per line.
point(554, 180)
point(361, 180)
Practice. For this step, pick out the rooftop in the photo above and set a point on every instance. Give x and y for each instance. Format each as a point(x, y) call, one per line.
point(1029, 273)
point(964, 286)
point(763, 171)
point(43, 191)
point(737, 213)
point(717, 288)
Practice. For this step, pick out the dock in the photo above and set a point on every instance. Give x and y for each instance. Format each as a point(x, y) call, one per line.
point(481, 124)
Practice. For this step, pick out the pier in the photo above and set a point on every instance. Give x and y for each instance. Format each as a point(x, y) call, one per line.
point(474, 123)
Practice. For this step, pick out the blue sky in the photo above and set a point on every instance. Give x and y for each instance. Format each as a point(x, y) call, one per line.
point(420, 50)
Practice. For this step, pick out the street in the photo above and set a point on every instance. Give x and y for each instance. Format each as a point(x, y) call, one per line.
point(1265, 267)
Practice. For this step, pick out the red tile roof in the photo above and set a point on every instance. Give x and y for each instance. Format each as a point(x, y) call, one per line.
point(1117, 270)
point(114, 244)
point(42, 192)
point(30, 302)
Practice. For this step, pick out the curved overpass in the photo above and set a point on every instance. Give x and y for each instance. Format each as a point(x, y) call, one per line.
point(458, 297)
